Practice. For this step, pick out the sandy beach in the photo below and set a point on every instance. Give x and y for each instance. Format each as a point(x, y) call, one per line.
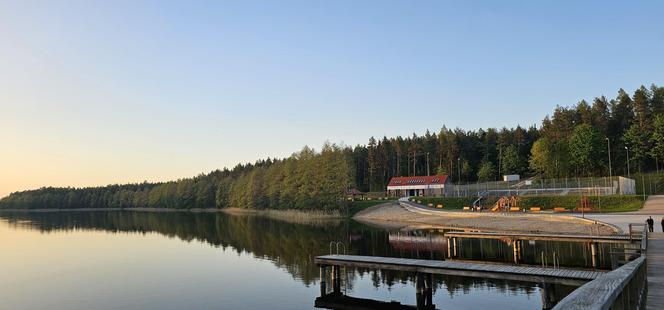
point(392, 215)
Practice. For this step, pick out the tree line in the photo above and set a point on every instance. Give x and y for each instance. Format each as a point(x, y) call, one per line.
point(572, 141)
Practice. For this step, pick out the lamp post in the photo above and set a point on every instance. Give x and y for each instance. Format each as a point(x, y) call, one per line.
point(428, 164)
point(628, 175)
point(608, 147)
point(459, 173)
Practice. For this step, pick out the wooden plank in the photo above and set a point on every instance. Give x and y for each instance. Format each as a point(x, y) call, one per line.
point(604, 290)
point(542, 237)
point(655, 255)
point(495, 271)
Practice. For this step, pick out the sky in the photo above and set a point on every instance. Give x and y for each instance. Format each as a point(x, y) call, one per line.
point(102, 92)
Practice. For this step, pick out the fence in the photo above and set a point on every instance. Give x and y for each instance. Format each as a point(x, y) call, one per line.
point(590, 186)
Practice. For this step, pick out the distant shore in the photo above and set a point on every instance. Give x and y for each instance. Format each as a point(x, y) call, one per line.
point(391, 215)
point(112, 209)
point(289, 215)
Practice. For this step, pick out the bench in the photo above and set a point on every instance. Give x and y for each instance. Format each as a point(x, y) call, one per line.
point(514, 209)
point(535, 209)
point(558, 209)
point(466, 208)
point(439, 206)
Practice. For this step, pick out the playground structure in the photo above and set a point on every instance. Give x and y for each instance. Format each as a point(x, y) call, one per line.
point(513, 204)
point(584, 205)
point(505, 204)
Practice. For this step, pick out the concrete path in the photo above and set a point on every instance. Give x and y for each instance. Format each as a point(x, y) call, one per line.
point(654, 207)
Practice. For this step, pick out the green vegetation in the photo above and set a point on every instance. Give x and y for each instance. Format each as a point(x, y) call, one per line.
point(449, 203)
point(306, 180)
point(613, 203)
point(359, 205)
point(569, 143)
point(649, 183)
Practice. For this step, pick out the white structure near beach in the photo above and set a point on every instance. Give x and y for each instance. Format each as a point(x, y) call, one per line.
point(435, 185)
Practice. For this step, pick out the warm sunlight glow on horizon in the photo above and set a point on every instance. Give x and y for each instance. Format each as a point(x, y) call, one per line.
point(97, 93)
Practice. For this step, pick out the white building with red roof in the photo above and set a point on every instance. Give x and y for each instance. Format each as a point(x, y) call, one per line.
point(434, 185)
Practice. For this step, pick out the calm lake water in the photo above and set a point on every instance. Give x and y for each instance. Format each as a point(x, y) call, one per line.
point(146, 260)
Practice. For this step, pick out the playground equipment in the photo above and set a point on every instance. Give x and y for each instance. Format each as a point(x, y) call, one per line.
point(584, 205)
point(506, 203)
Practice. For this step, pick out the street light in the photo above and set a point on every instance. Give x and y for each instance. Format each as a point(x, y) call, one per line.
point(608, 147)
point(428, 164)
point(628, 176)
point(459, 173)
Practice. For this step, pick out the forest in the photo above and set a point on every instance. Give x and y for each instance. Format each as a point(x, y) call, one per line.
point(572, 141)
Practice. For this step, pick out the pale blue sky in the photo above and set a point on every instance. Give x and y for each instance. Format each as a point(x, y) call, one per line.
point(93, 93)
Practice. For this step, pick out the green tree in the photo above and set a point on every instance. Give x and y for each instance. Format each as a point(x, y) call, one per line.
point(487, 172)
point(637, 142)
point(657, 138)
point(585, 148)
point(510, 163)
point(541, 160)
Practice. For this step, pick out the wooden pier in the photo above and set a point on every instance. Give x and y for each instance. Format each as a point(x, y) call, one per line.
point(545, 237)
point(655, 262)
point(516, 240)
point(479, 270)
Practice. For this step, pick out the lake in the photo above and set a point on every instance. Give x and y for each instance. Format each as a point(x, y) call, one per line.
point(186, 260)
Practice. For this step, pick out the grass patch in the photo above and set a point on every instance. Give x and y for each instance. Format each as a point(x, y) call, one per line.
point(612, 203)
point(449, 203)
point(356, 206)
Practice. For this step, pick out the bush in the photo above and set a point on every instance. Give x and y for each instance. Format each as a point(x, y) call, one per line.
point(449, 203)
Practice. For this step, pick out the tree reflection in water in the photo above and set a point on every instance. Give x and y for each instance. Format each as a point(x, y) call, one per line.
point(289, 246)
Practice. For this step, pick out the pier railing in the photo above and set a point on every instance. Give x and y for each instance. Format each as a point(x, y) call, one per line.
point(623, 288)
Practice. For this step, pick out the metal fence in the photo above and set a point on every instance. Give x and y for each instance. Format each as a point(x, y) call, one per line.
point(590, 186)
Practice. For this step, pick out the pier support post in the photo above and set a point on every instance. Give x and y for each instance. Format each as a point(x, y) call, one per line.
point(515, 246)
point(454, 243)
point(449, 247)
point(428, 290)
point(593, 253)
point(419, 291)
point(548, 296)
point(323, 287)
point(336, 280)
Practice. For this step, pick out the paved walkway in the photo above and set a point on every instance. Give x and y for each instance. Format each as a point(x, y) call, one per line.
point(654, 207)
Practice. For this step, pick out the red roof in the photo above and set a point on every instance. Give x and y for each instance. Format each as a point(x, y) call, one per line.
point(422, 180)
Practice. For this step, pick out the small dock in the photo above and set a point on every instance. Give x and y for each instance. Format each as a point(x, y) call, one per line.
point(655, 263)
point(545, 237)
point(479, 270)
point(516, 240)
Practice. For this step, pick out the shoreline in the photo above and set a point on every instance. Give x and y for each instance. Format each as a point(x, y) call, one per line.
point(391, 215)
point(413, 217)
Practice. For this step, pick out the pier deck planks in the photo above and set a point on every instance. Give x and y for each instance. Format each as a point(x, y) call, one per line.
point(655, 261)
point(494, 271)
point(544, 237)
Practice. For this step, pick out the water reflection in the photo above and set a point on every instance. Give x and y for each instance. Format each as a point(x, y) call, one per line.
point(292, 247)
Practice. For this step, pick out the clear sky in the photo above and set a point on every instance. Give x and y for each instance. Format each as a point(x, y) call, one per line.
point(93, 93)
